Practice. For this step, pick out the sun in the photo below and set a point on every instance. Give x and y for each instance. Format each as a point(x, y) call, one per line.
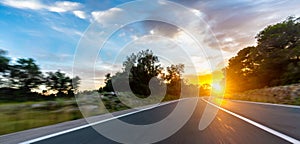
point(217, 88)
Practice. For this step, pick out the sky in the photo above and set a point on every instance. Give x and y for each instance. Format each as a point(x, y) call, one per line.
point(59, 34)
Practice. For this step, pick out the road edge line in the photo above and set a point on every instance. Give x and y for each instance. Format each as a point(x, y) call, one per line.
point(265, 128)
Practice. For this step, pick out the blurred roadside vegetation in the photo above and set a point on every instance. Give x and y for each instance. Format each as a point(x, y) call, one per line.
point(30, 98)
point(22, 80)
point(22, 115)
point(18, 116)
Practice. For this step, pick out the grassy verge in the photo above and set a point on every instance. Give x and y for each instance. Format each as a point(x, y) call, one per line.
point(266, 98)
point(254, 98)
point(18, 116)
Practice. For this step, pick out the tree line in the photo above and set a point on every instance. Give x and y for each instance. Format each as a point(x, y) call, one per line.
point(274, 61)
point(142, 68)
point(20, 80)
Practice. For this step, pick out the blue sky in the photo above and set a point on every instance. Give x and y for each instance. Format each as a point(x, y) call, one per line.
point(49, 31)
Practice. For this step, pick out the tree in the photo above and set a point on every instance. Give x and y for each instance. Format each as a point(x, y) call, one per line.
point(59, 82)
point(174, 73)
point(138, 69)
point(108, 83)
point(279, 52)
point(26, 74)
point(120, 82)
point(284, 35)
point(4, 61)
point(173, 79)
point(241, 72)
point(4, 65)
point(141, 68)
point(74, 86)
point(274, 61)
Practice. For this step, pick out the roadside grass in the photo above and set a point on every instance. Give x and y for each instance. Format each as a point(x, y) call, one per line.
point(254, 98)
point(19, 116)
point(11, 103)
point(22, 116)
point(22, 120)
point(263, 98)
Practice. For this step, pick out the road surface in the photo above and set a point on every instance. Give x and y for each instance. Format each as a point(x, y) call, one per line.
point(227, 127)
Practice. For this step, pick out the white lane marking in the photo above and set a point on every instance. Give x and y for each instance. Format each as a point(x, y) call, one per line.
point(262, 103)
point(276, 133)
point(95, 123)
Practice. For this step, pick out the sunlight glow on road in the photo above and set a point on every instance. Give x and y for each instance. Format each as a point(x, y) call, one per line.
point(218, 101)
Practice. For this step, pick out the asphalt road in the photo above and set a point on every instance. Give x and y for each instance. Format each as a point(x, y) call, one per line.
point(225, 128)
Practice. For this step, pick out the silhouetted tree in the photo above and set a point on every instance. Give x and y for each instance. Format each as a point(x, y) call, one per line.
point(141, 67)
point(174, 80)
point(75, 83)
point(25, 74)
point(100, 90)
point(74, 86)
point(108, 83)
point(19, 79)
point(242, 71)
point(60, 83)
point(4, 61)
point(4, 65)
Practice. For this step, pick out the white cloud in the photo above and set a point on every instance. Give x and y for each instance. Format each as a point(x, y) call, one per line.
point(24, 4)
point(228, 39)
point(108, 16)
point(59, 6)
point(64, 6)
point(242, 20)
point(67, 31)
point(80, 14)
point(122, 34)
point(197, 12)
point(134, 37)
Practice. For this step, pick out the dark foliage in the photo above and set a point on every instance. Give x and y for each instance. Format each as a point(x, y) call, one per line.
point(21, 80)
point(141, 69)
point(274, 61)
